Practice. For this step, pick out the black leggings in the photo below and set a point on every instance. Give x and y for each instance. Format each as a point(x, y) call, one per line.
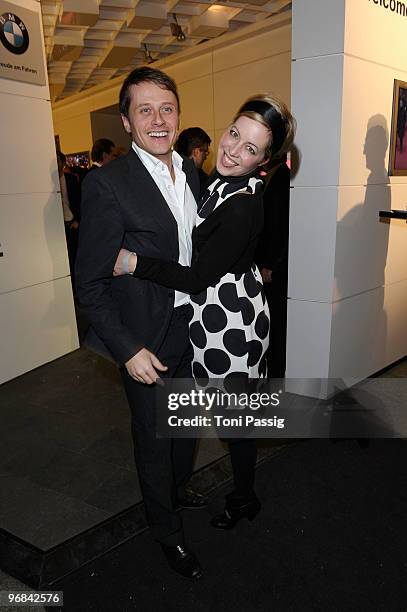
point(243, 455)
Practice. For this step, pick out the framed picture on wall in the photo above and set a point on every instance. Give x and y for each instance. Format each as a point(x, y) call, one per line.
point(398, 143)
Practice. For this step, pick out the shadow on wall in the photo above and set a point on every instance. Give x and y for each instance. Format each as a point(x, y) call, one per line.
point(359, 324)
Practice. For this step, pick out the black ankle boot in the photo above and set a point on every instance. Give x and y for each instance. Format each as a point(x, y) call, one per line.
point(236, 508)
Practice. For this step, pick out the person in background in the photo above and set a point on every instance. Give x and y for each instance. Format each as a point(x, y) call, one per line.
point(272, 260)
point(103, 152)
point(71, 203)
point(194, 143)
point(118, 151)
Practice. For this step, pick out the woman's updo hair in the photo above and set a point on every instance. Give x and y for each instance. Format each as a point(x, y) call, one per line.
point(275, 116)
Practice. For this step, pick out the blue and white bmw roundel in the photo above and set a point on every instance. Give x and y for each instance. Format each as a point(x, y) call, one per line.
point(13, 33)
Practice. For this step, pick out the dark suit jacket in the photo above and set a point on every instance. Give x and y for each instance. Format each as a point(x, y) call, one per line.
point(123, 207)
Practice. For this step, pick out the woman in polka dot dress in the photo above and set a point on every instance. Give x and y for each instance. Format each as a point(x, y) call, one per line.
point(230, 323)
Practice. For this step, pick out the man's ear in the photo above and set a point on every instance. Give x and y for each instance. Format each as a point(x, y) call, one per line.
point(126, 124)
point(195, 153)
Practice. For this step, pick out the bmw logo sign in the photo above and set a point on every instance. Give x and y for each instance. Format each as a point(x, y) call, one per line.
point(13, 33)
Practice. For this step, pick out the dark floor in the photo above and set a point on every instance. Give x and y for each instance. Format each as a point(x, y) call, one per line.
point(66, 452)
point(331, 536)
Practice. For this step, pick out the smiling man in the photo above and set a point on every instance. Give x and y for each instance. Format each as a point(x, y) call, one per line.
point(144, 202)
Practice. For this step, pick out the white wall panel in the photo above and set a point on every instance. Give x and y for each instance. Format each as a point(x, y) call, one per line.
point(395, 307)
point(28, 162)
point(369, 331)
point(308, 339)
point(376, 33)
point(318, 27)
point(234, 86)
point(106, 125)
point(275, 42)
point(32, 239)
point(37, 317)
point(37, 325)
point(342, 98)
point(316, 104)
point(196, 99)
point(312, 242)
point(369, 252)
point(26, 90)
point(191, 69)
point(396, 267)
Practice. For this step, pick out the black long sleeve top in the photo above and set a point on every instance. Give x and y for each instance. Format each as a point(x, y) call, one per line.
point(224, 242)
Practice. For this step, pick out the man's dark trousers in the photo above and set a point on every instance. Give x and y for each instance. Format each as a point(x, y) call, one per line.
point(163, 465)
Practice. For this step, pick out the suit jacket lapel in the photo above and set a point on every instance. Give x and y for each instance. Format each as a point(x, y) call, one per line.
point(192, 176)
point(153, 196)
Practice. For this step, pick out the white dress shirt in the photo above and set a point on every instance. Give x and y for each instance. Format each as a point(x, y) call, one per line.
point(180, 201)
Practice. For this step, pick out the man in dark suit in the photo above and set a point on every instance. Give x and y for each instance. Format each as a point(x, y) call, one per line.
point(194, 143)
point(71, 208)
point(103, 152)
point(144, 202)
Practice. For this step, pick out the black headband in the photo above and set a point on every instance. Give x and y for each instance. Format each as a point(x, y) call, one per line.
point(272, 117)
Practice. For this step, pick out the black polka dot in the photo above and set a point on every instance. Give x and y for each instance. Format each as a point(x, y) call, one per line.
point(234, 341)
point(197, 335)
point(189, 313)
point(199, 298)
point(251, 285)
point(247, 310)
point(255, 349)
point(262, 325)
point(200, 373)
point(214, 318)
point(217, 361)
point(228, 297)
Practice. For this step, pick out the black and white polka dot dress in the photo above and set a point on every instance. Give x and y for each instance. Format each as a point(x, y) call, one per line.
point(229, 329)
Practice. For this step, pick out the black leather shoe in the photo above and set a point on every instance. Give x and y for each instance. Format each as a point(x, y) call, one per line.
point(236, 508)
point(191, 500)
point(182, 561)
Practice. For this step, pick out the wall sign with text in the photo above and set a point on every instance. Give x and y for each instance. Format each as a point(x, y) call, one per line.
point(21, 50)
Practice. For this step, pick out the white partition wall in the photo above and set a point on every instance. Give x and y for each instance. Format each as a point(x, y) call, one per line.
point(37, 318)
point(347, 312)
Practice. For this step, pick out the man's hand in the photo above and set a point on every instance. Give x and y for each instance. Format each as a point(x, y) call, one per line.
point(266, 275)
point(118, 269)
point(74, 225)
point(142, 367)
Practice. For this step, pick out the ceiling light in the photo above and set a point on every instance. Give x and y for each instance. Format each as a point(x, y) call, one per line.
point(176, 29)
point(147, 55)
